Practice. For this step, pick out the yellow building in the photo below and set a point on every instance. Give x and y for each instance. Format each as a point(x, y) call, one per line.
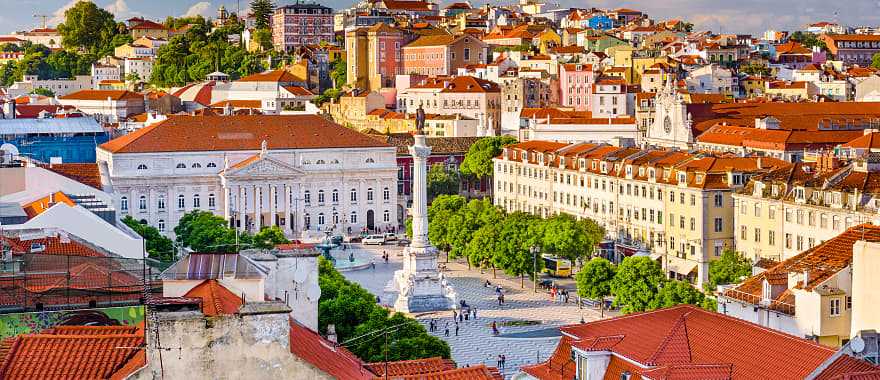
point(547, 40)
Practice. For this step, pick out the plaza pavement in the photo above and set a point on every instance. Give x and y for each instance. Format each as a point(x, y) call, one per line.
point(475, 343)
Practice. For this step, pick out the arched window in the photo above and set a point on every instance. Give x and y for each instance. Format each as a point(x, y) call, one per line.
point(307, 220)
point(335, 217)
point(320, 197)
point(386, 216)
point(319, 162)
point(212, 201)
point(307, 162)
point(212, 165)
point(197, 202)
point(307, 197)
point(196, 165)
point(386, 194)
point(123, 203)
point(161, 202)
point(181, 202)
point(335, 196)
point(370, 161)
point(369, 194)
point(181, 166)
point(161, 225)
point(354, 217)
point(321, 219)
point(354, 195)
point(142, 167)
point(142, 203)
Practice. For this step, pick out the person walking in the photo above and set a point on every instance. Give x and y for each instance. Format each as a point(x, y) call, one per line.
point(447, 329)
point(456, 329)
point(499, 299)
point(474, 310)
point(494, 328)
point(503, 361)
point(498, 362)
point(502, 298)
point(461, 316)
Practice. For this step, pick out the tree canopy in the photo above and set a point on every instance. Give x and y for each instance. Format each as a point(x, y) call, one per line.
point(563, 236)
point(729, 269)
point(808, 39)
point(89, 28)
point(158, 246)
point(269, 237)
point(677, 292)
point(594, 279)
point(518, 232)
point(636, 283)
point(262, 11)
point(203, 231)
point(478, 159)
point(441, 181)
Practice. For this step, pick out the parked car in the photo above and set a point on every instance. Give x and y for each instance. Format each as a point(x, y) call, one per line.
point(390, 236)
point(403, 243)
point(336, 239)
point(374, 239)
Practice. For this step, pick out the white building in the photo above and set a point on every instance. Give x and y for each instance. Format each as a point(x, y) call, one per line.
point(308, 174)
point(59, 87)
point(142, 67)
point(712, 79)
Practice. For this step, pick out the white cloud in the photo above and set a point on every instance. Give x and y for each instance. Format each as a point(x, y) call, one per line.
point(202, 8)
point(58, 16)
point(120, 9)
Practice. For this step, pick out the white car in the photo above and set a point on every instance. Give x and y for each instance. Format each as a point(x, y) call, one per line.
point(374, 239)
point(390, 237)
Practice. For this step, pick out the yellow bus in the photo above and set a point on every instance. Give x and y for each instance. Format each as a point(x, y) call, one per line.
point(556, 267)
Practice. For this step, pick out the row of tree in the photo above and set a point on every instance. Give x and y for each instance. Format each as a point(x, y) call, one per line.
point(354, 312)
point(202, 231)
point(638, 283)
point(488, 237)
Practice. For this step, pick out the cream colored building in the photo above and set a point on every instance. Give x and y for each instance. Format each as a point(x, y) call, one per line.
point(676, 205)
point(792, 209)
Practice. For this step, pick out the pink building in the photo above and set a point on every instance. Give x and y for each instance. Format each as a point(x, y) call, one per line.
point(443, 54)
point(301, 24)
point(576, 85)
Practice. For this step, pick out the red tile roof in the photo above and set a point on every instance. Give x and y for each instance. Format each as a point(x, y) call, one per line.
point(471, 84)
point(792, 116)
point(52, 246)
point(216, 298)
point(74, 356)
point(866, 141)
point(412, 367)
point(274, 76)
point(243, 132)
point(848, 367)
point(38, 206)
point(686, 342)
point(102, 95)
point(559, 366)
point(86, 173)
point(478, 372)
point(325, 355)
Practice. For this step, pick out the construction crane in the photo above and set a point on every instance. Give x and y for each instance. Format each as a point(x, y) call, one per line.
point(44, 18)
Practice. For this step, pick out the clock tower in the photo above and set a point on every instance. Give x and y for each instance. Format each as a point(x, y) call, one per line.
point(672, 123)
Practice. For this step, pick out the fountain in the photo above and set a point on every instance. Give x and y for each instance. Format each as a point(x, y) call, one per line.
point(327, 245)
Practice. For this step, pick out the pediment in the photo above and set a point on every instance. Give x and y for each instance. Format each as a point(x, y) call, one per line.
point(262, 166)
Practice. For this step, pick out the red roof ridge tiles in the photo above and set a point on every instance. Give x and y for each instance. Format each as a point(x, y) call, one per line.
point(412, 367)
point(216, 298)
point(102, 95)
point(334, 360)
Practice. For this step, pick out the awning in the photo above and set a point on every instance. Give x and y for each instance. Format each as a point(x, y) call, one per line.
point(655, 256)
point(681, 267)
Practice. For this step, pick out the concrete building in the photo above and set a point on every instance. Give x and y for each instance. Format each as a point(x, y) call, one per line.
point(518, 94)
point(853, 48)
point(374, 56)
point(109, 106)
point(300, 24)
point(443, 54)
point(576, 85)
point(471, 97)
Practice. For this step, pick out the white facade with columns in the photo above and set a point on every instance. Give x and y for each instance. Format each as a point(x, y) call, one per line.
point(345, 189)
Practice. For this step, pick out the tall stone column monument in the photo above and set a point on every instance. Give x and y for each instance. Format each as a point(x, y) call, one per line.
point(420, 285)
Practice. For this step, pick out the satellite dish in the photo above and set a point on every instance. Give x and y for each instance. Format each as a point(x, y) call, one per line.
point(313, 292)
point(300, 274)
point(9, 149)
point(857, 344)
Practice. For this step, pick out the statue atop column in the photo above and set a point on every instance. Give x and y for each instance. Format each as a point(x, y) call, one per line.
point(420, 120)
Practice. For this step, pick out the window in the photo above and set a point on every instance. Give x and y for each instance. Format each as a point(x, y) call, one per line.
point(386, 194)
point(123, 203)
point(181, 166)
point(719, 224)
point(161, 225)
point(196, 201)
point(369, 194)
point(142, 203)
point(196, 165)
point(788, 240)
point(212, 201)
point(307, 197)
point(181, 202)
point(848, 302)
point(693, 224)
point(142, 167)
point(771, 237)
point(800, 243)
point(335, 218)
point(354, 195)
point(354, 217)
point(386, 216)
point(334, 196)
point(771, 212)
point(161, 202)
point(321, 198)
point(757, 209)
point(307, 220)
point(467, 54)
point(212, 165)
point(321, 219)
point(681, 222)
point(693, 200)
point(743, 233)
point(835, 307)
point(757, 235)
point(370, 161)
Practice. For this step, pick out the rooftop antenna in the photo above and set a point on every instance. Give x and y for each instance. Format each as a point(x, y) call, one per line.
point(44, 18)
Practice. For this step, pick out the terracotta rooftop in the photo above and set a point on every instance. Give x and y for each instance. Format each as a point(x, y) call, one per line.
point(471, 84)
point(477, 372)
point(866, 141)
point(412, 367)
point(53, 245)
point(439, 145)
point(274, 76)
point(686, 342)
point(244, 132)
point(335, 361)
point(102, 95)
point(216, 298)
point(792, 116)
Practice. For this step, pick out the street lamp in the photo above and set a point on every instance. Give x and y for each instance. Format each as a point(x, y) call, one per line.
point(534, 250)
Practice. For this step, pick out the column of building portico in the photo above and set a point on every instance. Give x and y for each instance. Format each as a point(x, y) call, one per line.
point(258, 208)
point(241, 205)
point(271, 192)
point(288, 220)
point(226, 201)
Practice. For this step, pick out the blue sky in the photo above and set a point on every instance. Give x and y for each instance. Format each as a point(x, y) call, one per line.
point(750, 16)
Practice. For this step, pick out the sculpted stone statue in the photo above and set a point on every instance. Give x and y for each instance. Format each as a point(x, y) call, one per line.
point(420, 120)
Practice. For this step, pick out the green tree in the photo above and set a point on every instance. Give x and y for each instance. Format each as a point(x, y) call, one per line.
point(875, 61)
point(338, 72)
point(594, 280)
point(731, 268)
point(478, 159)
point(808, 39)
point(441, 209)
point(484, 245)
point(158, 246)
point(565, 237)
point(463, 224)
point(518, 232)
point(441, 181)
point(755, 69)
point(87, 27)
point(264, 38)
point(8, 47)
point(43, 91)
point(636, 284)
point(262, 11)
point(269, 237)
point(132, 77)
point(594, 234)
point(675, 293)
point(203, 231)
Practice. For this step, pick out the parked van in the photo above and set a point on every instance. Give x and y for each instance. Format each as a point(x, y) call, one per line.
point(374, 239)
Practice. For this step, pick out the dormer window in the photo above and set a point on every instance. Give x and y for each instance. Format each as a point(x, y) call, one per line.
point(604, 167)
point(142, 167)
point(582, 163)
point(181, 166)
point(641, 172)
point(629, 171)
point(699, 178)
point(524, 156)
point(594, 165)
point(838, 198)
point(774, 190)
point(736, 179)
point(799, 194)
point(682, 178)
point(651, 173)
point(766, 291)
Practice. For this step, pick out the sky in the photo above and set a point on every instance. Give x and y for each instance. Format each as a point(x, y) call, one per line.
point(725, 16)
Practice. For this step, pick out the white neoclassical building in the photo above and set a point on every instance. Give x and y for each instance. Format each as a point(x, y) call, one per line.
point(298, 172)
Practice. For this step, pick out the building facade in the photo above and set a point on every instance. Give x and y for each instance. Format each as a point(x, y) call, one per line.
point(301, 24)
